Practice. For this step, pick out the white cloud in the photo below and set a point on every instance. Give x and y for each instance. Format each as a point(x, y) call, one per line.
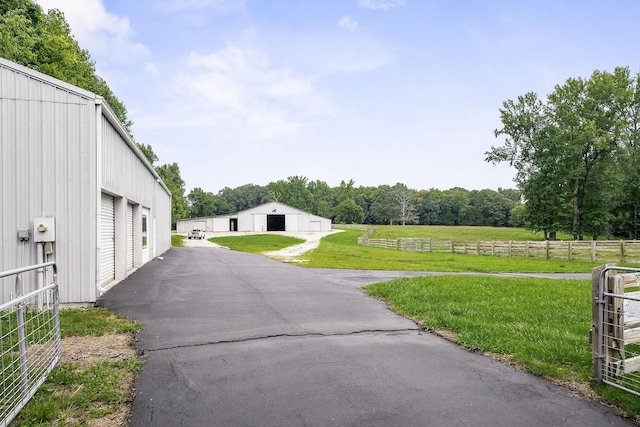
point(97, 30)
point(380, 4)
point(240, 96)
point(348, 23)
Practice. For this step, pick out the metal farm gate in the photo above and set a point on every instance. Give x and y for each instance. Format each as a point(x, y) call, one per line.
point(29, 339)
point(615, 335)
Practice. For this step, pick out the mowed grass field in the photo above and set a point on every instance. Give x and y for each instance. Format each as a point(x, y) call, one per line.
point(540, 325)
point(341, 250)
point(442, 232)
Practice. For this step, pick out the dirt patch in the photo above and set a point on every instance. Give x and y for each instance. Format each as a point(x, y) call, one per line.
point(88, 350)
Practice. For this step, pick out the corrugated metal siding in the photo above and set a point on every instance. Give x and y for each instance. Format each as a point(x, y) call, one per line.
point(47, 166)
point(131, 178)
point(133, 181)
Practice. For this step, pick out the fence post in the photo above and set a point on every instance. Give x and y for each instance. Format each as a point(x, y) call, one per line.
point(22, 344)
point(595, 322)
point(622, 254)
point(570, 250)
point(510, 243)
point(547, 249)
point(593, 251)
point(526, 250)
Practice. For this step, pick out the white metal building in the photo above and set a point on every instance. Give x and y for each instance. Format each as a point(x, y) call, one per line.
point(272, 216)
point(75, 187)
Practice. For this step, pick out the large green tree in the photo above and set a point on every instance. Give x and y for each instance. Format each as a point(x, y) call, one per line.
point(348, 212)
point(201, 203)
point(322, 197)
point(241, 198)
point(566, 151)
point(170, 174)
point(293, 192)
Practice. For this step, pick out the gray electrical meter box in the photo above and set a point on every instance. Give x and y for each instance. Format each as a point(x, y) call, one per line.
point(44, 229)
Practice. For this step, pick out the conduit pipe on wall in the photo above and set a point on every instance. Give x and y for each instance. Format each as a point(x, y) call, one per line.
point(40, 272)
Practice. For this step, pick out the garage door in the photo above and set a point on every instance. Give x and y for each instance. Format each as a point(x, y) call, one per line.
point(107, 240)
point(129, 236)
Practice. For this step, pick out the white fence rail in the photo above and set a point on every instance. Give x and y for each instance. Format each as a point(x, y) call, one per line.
point(29, 340)
point(620, 251)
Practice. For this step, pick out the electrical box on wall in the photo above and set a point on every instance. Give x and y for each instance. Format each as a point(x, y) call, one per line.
point(23, 234)
point(44, 229)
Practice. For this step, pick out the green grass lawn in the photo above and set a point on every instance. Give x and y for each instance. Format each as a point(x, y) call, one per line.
point(442, 232)
point(257, 243)
point(341, 250)
point(541, 323)
point(74, 396)
point(177, 240)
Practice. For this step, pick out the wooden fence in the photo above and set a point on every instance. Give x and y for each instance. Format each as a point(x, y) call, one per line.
point(621, 251)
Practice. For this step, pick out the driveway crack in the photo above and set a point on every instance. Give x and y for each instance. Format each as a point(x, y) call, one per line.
point(285, 335)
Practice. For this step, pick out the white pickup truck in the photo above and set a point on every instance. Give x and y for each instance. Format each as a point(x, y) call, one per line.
point(196, 234)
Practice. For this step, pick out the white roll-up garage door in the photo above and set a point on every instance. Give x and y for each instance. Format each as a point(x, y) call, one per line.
point(129, 236)
point(107, 240)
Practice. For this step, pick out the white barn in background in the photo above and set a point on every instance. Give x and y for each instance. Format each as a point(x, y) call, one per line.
point(272, 216)
point(76, 189)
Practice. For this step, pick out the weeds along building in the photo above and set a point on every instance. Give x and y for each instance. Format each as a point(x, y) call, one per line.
point(272, 216)
point(75, 188)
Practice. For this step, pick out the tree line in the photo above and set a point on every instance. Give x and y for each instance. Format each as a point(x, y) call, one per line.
point(349, 204)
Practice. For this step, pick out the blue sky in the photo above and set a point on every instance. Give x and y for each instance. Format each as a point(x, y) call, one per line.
point(378, 91)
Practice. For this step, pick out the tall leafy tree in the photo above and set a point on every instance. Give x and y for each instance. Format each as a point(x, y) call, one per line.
point(384, 209)
point(241, 198)
point(564, 152)
point(365, 197)
point(453, 205)
point(348, 212)
point(170, 174)
point(201, 203)
point(148, 152)
point(627, 202)
point(321, 198)
point(292, 192)
point(429, 211)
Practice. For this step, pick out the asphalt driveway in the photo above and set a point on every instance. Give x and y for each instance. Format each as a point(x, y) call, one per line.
point(234, 339)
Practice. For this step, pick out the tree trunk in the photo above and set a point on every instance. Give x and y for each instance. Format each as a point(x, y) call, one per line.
point(576, 209)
